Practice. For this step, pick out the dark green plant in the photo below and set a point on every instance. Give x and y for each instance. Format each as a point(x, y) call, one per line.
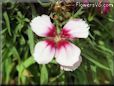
point(18, 41)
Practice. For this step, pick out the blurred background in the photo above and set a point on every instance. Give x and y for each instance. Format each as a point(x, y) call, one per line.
point(18, 41)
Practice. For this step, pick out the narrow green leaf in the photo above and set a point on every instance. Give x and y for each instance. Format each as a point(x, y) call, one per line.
point(15, 53)
point(7, 22)
point(22, 66)
point(18, 28)
point(44, 75)
point(96, 62)
point(19, 14)
point(22, 40)
point(93, 68)
point(79, 12)
point(3, 31)
point(31, 40)
point(111, 64)
point(8, 69)
point(106, 49)
point(25, 64)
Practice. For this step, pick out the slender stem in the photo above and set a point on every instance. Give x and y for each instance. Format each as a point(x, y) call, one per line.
point(61, 73)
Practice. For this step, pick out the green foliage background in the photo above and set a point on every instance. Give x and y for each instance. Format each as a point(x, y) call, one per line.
point(18, 41)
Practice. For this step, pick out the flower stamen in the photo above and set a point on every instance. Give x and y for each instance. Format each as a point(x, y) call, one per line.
point(57, 38)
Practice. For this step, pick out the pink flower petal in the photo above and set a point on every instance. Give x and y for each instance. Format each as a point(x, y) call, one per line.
point(67, 54)
point(72, 68)
point(42, 26)
point(44, 51)
point(75, 28)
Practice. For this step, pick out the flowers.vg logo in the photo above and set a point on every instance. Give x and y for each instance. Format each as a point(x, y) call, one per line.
point(87, 3)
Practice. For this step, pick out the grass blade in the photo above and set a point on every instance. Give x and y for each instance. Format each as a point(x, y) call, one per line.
point(7, 22)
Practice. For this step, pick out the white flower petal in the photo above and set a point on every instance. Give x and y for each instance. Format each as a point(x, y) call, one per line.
point(44, 51)
point(67, 54)
point(76, 28)
point(72, 68)
point(42, 26)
